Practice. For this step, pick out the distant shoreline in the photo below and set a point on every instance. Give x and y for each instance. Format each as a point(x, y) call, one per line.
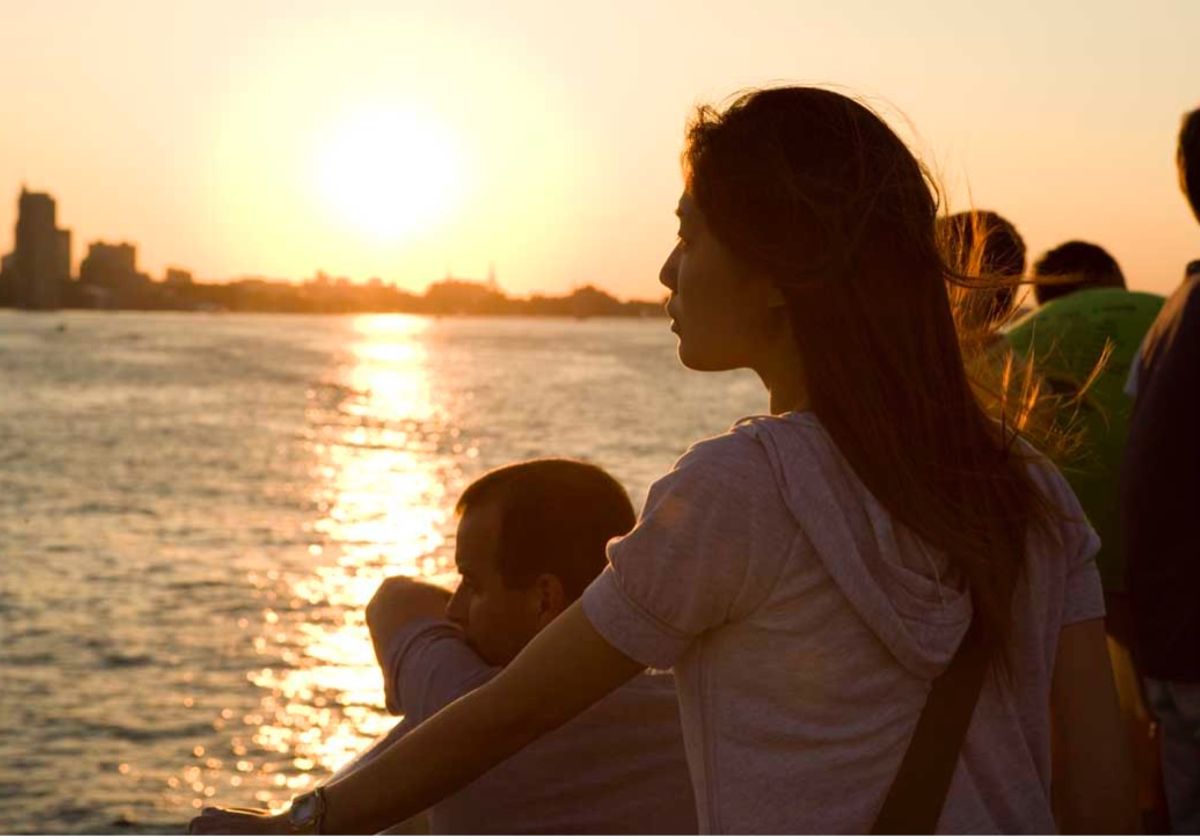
point(49, 313)
point(328, 296)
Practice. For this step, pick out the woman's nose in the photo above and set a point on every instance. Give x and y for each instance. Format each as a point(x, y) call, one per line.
point(667, 275)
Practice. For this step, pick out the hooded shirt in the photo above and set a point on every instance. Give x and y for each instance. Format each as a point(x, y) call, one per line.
point(805, 625)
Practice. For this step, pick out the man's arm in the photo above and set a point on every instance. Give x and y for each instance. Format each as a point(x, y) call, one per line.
point(397, 602)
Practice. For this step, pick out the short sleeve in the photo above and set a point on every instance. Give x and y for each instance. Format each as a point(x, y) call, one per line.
point(1083, 598)
point(428, 665)
point(709, 544)
point(1083, 594)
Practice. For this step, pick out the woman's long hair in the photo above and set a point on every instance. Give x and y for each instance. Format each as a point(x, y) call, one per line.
point(816, 191)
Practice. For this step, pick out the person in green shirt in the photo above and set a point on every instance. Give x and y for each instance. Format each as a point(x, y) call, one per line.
point(1084, 312)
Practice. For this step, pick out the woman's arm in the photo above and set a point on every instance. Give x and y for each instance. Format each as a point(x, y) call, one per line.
point(1094, 791)
point(563, 671)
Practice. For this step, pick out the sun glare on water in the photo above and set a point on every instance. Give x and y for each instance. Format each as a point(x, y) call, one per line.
point(390, 173)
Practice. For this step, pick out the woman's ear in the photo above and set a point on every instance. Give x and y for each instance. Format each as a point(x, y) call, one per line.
point(551, 598)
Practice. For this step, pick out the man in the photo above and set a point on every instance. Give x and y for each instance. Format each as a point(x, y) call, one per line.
point(983, 244)
point(531, 537)
point(1160, 498)
point(1086, 317)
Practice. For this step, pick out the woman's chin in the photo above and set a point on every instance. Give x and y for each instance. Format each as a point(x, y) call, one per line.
point(705, 363)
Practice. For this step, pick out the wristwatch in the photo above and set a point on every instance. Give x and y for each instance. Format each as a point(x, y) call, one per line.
point(307, 813)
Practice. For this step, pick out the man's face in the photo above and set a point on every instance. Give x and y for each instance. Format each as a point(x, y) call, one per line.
point(498, 621)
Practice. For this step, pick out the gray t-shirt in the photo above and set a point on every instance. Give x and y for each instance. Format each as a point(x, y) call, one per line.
point(805, 625)
point(618, 768)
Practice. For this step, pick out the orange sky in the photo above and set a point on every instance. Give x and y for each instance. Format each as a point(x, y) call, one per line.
point(395, 140)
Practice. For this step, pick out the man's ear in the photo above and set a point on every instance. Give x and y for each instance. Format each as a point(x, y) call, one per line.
point(551, 598)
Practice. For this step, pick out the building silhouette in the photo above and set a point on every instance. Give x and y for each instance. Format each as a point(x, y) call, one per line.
point(110, 266)
point(39, 267)
point(178, 278)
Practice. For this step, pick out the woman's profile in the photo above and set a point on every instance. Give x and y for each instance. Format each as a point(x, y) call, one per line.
point(809, 573)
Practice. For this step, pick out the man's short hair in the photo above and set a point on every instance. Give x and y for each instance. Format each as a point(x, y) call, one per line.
point(1188, 158)
point(1080, 265)
point(984, 243)
point(556, 517)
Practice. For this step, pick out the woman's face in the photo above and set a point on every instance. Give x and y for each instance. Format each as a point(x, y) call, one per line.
point(718, 309)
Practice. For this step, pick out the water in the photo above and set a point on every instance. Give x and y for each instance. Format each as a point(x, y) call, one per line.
point(194, 510)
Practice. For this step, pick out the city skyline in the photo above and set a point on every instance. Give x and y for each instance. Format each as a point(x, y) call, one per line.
point(37, 275)
point(396, 142)
point(48, 257)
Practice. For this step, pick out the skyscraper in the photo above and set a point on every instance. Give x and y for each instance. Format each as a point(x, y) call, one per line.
point(112, 266)
point(42, 256)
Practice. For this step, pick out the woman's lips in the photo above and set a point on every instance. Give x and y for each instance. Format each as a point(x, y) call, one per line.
point(673, 317)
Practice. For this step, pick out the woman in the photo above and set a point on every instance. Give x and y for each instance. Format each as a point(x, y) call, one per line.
point(810, 572)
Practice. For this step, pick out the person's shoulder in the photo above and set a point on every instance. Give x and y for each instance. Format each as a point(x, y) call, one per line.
point(733, 472)
point(732, 451)
point(1104, 303)
point(795, 428)
point(1179, 315)
point(1146, 300)
point(1187, 294)
point(744, 452)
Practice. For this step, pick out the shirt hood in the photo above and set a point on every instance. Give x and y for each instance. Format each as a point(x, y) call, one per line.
point(902, 589)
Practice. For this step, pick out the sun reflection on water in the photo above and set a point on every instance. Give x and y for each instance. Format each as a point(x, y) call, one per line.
point(389, 467)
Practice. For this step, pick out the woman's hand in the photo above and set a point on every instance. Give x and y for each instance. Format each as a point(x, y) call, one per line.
point(240, 821)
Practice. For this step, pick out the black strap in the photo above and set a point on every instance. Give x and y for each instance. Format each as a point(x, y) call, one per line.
point(914, 802)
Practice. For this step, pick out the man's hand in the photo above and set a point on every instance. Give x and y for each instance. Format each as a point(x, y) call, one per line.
point(239, 821)
point(398, 601)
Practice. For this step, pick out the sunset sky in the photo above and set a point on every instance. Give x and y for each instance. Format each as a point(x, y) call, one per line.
point(405, 140)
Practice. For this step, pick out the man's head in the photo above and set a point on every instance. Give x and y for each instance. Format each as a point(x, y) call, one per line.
point(984, 244)
point(1187, 156)
point(1073, 267)
point(531, 537)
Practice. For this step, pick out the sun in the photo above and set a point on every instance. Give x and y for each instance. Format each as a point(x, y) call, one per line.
point(389, 173)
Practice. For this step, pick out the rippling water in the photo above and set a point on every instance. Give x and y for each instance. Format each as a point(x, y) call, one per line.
point(195, 509)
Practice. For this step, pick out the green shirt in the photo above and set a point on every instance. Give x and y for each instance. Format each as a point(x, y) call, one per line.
point(1067, 337)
